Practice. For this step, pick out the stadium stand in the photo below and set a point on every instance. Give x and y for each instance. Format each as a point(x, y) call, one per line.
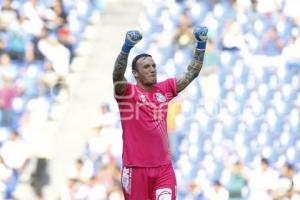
point(38, 41)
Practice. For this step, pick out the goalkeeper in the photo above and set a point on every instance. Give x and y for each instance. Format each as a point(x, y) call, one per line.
point(147, 172)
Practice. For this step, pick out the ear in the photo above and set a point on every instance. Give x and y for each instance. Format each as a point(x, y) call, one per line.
point(135, 74)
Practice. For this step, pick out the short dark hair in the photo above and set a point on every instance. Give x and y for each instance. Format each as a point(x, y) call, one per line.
point(134, 61)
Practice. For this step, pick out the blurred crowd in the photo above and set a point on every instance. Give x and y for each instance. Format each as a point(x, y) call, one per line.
point(96, 174)
point(38, 41)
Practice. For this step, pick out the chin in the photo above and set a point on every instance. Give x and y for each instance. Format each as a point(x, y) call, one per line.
point(151, 83)
point(154, 82)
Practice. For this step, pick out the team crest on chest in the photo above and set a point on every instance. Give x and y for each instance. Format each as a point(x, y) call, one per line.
point(160, 97)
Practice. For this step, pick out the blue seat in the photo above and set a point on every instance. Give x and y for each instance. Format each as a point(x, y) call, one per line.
point(182, 58)
point(153, 12)
point(175, 11)
point(197, 12)
point(291, 154)
point(227, 59)
point(241, 92)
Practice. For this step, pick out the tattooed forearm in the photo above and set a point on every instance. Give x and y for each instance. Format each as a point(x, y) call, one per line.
point(193, 71)
point(120, 67)
point(199, 55)
point(118, 73)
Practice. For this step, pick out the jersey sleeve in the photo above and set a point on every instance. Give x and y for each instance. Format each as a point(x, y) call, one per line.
point(169, 88)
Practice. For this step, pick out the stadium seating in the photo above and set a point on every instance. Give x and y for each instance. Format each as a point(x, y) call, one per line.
point(33, 80)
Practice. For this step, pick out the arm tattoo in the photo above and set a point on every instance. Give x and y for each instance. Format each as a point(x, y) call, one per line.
point(193, 71)
point(118, 73)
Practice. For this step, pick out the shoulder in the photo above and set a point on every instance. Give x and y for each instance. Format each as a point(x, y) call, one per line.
point(168, 87)
point(166, 83)
point(129, 91)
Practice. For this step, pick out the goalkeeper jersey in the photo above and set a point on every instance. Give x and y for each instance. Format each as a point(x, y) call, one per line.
point(143, 118)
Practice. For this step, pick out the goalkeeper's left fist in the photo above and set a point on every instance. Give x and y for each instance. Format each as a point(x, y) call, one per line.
point(200, 34)
point(131, 39)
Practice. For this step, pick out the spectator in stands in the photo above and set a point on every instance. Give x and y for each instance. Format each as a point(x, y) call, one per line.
point(82, 170)
point(97, 190)
point(97, 145)
point(33, 52)
point(105, 118)
point(232, 38)
point(8, 15)
point(237, 182)
point(74, 190)
point(56, 53)
point(40, 177)
point(65, 37)
point(7, 94)
point(48, 79)
point(16, 40)
point(194, 191)
point(7, 69)
point(2, 45)
point(60, 15)
point(217, 192)
point(33, 13)
point(271, 43)
point(16, 155)
point(59, 25)
point(5, 177)
point(285, 184)
point(261, 181)
point(183, 36)
point(107, 177)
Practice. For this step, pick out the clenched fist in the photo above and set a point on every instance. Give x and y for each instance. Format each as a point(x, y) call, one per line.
point(131, 39)
point(200, 34)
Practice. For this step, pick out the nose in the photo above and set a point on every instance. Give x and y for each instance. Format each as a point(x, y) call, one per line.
point(152, 69)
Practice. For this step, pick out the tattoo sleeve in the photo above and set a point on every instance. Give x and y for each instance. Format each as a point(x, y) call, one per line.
point(192, 72)
point(119, 79)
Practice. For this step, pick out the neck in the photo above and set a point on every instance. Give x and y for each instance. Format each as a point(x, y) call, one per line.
point(144, 87)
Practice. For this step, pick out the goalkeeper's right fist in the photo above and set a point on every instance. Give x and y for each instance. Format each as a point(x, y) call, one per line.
point(132, 38)
point(200, 34)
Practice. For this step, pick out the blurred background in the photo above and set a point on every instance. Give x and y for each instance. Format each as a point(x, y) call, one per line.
point(234, 132)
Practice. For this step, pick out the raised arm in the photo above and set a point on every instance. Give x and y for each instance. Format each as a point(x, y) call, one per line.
point(195, 65)
point(119, 80)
